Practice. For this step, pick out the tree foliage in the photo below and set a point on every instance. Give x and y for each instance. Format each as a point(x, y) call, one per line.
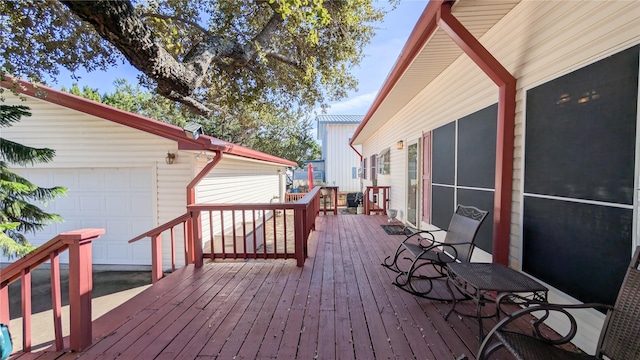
point(209, 54)
point(18, 214)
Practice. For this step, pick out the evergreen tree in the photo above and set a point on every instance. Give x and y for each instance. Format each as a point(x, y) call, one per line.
point(18, 214)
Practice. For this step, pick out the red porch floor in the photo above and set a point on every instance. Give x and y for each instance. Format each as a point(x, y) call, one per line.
point(340, 305)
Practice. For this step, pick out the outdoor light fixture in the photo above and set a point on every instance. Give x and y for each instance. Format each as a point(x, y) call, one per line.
point(171, 157)
point(193, 130)
point(400, 145)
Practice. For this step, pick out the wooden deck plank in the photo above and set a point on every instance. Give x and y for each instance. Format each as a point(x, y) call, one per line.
point(258, 332)
point(340, 305)
point(275, 331)
point(154, 343)
point(344, 346)
point(380, 339)
point(157, 306)
point(294, 325)
point(249, 289)
point(250, 315)
point(308, 344)
point(216, 311)
point(386, 294)
point(362, 341)
point(326, 348)
point(415, 327)
point(194, 330)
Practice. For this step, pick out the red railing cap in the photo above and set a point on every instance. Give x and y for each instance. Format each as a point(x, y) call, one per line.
point(80, 235)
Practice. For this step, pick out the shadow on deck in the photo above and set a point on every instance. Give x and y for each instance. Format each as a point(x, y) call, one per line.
point(340, 305)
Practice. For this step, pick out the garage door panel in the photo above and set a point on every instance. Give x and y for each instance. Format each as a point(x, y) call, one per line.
point(140, 205)
point(138, 227)
point(121, 204)
point(56, 178)
point(120, 200)
point(90, 203)
point(93, 180)
point(118, 252)
point(140, 250)
point(63, 204)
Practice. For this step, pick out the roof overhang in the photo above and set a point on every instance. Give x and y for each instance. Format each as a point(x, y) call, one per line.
point(139, 122)
point(426, 54)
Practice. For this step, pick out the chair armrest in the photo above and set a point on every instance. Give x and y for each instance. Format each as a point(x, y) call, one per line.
point(414, 232)
point(547, 309)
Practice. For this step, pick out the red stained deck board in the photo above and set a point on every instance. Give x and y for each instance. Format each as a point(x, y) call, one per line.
point(275, 331)
point(216, 311)
point(341, 304)
point(250, 316)
point(258, 332)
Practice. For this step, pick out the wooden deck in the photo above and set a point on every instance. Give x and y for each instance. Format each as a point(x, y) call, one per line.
point(340, 305)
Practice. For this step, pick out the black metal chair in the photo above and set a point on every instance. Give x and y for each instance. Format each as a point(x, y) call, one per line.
point(619, 338)
point(422, 249)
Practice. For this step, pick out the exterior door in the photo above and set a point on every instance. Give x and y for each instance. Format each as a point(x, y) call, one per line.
point(413, 191)
point(426, 177)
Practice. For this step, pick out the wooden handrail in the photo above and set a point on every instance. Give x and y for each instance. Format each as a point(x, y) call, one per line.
point(78, 242)
point(159, 229)
point(305, 211)
point(41, 254)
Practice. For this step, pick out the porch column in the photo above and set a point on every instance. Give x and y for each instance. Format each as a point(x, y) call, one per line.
point(506, 124)
point(80, 288)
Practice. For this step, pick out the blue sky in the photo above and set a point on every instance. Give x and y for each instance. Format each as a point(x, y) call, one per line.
point(380, 56)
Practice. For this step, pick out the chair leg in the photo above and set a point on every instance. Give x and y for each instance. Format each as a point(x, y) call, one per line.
point(393, 265)
point(407, 282)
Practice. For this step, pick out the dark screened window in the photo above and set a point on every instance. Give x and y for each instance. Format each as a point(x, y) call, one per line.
point(580, 138)
point(580, 132)
point(463, 169)
point(443, 156)
point(477, 148)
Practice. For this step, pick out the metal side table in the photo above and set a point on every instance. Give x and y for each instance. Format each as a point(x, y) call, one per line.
point(478, 281)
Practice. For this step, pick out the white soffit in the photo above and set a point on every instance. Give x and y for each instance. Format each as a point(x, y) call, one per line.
point(478, 16)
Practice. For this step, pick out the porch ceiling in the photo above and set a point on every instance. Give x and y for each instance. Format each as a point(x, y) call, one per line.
point(439, 51)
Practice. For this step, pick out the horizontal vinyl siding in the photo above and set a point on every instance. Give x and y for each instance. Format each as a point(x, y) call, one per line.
point(172, 202)
point(537, 41)
point(83, 141)
point(236, 180)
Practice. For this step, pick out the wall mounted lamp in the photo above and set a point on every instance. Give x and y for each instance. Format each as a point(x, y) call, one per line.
point(171, 157)
point(400, 145)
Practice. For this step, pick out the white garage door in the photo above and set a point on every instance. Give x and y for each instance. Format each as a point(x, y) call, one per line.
point(119, 200)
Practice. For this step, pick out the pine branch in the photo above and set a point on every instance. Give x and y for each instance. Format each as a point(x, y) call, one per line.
point(12, 113)
point(22, 155)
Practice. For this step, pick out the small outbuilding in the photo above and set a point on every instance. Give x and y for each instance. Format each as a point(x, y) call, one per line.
point(128, 174)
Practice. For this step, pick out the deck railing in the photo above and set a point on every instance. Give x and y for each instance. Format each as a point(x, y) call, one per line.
point(376, 199)
point(238, 231)
point(78, 243)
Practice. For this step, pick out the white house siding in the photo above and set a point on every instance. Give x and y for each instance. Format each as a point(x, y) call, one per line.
point(238, 180)
point(537, 41)
point(340, 159)
point(88, 147)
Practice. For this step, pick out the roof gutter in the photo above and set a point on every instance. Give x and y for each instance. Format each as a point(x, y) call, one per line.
point(356, 150)
point(191, 199)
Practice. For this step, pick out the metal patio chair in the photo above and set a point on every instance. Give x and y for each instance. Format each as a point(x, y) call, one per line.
point(619, 337)
point(422, 249)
